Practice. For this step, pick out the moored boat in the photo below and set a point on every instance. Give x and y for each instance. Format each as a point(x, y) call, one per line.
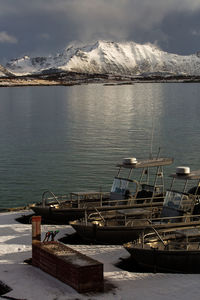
point(180, 210)
point(174, 251)
point(127, 192)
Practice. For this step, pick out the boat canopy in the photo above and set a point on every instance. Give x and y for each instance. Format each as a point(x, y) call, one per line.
point(194, 175)
point(145, 163)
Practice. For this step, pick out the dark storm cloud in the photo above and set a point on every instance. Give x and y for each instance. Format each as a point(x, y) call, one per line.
point(42, 27)
point(182, 38)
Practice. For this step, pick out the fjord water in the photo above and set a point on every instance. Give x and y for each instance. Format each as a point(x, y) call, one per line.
point(68, 139)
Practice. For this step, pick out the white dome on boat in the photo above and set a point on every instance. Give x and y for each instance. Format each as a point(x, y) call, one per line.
point(130, 160)
point(182, 170)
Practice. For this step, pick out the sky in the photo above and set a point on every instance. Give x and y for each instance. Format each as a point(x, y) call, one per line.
point(44, 27)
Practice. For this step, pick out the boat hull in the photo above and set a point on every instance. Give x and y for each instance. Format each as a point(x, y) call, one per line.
point(106, 235)
point(122, 234)
point(166, 261)
point(64, 215)
point(58, 216)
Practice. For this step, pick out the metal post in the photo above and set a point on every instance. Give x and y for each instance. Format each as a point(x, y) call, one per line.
point(185, 186)
point(36, 229)
point(130, 172)
point(172, 183)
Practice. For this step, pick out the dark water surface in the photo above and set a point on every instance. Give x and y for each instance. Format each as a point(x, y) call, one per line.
point(70, 138)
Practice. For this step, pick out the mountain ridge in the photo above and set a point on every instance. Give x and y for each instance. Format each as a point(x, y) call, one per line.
point(107, 57)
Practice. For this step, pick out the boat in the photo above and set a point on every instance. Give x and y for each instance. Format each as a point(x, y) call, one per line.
point(140, 191)
point(180, 209)
point(172, 252)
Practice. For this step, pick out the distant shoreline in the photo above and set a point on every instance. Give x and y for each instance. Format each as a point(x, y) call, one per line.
point(72, 78)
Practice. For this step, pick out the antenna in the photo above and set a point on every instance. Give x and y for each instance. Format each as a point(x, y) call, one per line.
point(152, 136)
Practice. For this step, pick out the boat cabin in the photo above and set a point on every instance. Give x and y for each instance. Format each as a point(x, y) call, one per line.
point(149, 184)
point(179, 203)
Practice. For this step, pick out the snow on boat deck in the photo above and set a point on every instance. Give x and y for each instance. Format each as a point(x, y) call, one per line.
point(28, 282)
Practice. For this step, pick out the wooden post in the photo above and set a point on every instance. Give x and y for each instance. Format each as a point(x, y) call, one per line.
point(36, 229)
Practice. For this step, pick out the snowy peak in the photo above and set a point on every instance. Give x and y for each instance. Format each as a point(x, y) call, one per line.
point(125, 58)
point(27, 65)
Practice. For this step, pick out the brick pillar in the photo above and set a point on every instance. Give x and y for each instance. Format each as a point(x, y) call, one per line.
point(36, 229)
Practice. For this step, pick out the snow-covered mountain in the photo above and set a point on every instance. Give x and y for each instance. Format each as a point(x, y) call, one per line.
point(125, 58)
point(4, 72)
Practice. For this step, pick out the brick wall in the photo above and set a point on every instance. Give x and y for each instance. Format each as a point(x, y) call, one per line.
point(72, 267)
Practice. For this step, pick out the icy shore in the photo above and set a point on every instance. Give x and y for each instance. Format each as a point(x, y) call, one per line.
point(28, 282)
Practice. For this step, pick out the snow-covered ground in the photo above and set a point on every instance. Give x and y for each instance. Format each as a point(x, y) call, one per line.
point(28, 282)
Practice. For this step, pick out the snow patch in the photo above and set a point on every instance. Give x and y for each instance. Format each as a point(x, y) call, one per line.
point(28, 282)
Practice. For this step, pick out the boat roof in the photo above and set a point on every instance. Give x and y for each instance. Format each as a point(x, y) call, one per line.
point(144, 163)
point(194, 175)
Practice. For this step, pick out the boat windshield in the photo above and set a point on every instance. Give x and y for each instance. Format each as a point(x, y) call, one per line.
point(175, 204)
point(119, 186)
point(173, 199)
point(179, 201)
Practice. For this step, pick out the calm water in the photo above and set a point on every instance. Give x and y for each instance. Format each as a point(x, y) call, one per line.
point(70, 138)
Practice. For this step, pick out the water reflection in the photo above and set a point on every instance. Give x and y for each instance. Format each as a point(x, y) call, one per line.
point(119, 114)
point(70, 138)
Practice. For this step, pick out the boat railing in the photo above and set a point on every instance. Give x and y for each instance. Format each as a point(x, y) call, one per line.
point(99, 213)
point(94, 215)
point(184, 245)
point(139, 202)
point(97, 199)
point(170, 239)
point(155, 232)
point(87, 203)
point(131, 220)
point(52, 197)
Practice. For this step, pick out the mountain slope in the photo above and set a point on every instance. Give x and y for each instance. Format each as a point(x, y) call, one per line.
point(4, 72)
point(126, 58)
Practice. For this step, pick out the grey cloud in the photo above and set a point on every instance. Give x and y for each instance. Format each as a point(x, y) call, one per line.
point(6, 38)
point(42, 26)
point(195, 32)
